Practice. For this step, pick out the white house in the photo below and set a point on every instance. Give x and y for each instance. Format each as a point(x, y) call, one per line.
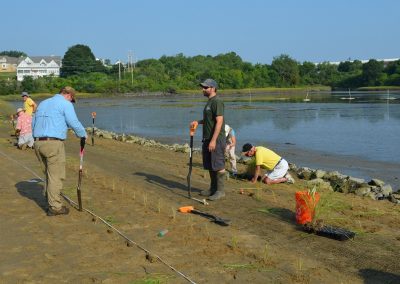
point(39, 66)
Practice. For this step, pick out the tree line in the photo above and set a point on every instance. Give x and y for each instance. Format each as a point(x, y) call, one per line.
point(173, 73)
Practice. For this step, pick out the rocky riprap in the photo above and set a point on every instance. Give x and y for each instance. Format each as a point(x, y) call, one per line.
point(333, 180)
point(185, 148)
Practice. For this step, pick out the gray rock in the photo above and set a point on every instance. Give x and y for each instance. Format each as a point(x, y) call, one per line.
point(372, 195)
point(304, 173)
point(363, 191)
point(337, 181)
point(319, 183)
point(377, 182)
point(394, 200)
point(320, 173)
point(292, 167)
point(387, 190)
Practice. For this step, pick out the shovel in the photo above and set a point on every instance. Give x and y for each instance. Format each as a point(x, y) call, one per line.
point(213, 218)
point(78, 189)
point(189, 176)
point(93, 117)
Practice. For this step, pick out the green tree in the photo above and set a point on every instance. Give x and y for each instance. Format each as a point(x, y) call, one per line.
point(371, 72)
point(13, 53)
point(79, 59)
point(287, 70)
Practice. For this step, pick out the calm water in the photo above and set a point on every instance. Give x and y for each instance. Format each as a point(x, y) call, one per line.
point(367, 127)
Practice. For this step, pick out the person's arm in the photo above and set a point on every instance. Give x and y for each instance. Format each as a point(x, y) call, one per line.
point(256, 174)
point(34, 106)
point(217, 130)
point(233, 139)
point(73, 122)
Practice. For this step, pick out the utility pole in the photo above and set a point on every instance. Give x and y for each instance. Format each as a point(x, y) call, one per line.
point(130, 58)
point(119, 75)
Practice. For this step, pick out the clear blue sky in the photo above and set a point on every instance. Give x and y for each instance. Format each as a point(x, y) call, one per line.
point(257, 30)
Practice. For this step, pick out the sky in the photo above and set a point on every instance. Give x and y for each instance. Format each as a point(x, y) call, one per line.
point(256, 30)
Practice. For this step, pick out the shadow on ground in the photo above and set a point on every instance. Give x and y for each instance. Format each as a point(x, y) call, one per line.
point(33, 190)
point(164, 183)
point(372, 276)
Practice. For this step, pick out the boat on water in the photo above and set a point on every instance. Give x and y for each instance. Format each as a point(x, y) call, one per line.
point(348, 98)
point(388, 97)
point(306, 99)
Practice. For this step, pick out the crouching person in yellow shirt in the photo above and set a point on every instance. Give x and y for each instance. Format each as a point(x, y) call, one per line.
point(275, 165)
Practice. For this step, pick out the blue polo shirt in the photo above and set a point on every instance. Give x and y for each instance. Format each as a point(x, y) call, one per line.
point(53, 118)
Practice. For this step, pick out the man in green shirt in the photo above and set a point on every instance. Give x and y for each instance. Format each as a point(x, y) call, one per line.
point(276, 166)
point(214, 142)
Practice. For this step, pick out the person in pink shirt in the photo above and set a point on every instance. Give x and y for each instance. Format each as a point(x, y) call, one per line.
point(24, 129)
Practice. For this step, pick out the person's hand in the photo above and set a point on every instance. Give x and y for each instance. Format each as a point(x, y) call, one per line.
point(194, 124)
point(253, 180)
point(212, 146)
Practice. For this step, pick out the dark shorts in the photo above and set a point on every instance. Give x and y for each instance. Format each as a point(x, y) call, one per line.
point(214, 161)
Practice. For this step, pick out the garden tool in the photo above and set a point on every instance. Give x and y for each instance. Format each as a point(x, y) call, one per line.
point(78, 189)
point(189, 176)
point(213, 218)
point(93, 117)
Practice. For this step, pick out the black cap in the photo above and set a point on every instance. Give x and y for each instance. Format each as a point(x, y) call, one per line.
point(247, 147)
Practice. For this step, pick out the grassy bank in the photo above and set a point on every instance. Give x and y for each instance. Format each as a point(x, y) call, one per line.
point(379, 88)
point(47, 95)
point(268, 90)
point(6, 110)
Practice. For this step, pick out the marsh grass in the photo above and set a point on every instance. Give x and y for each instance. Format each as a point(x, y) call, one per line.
point(110, 219)
point(234, 243)
point(173, 216)
point(144, 200)
point(159, 205)
point(207, 231)
point(240, 266)
point(329, 205)
point(266, 257)
point(70, 192)
point(154, 278)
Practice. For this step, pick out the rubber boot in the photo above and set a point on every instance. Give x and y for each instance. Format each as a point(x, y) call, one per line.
point(213, 185)
point(220, 187)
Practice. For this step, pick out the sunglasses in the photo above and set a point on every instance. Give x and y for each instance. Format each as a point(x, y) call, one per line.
point(205, 88)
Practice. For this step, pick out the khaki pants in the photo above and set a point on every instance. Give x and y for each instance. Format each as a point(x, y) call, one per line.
point(232, 158)
point(51, 155)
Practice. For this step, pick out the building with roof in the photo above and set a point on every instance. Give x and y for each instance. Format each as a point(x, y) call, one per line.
point(8, 63)
point(39, 66)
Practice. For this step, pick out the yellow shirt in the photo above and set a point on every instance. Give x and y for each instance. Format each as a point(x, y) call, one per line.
point(266, 158)
point(28, 106)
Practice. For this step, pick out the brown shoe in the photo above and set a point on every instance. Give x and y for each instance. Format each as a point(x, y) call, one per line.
point(63, 211)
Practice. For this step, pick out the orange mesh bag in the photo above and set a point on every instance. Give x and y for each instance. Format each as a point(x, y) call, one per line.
point(305, 206)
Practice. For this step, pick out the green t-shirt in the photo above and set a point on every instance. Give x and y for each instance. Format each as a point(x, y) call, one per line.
point(213, 108)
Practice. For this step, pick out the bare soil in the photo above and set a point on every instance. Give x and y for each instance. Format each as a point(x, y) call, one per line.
point(139, 189)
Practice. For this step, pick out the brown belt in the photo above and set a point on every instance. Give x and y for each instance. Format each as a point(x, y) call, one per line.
point(47, 139)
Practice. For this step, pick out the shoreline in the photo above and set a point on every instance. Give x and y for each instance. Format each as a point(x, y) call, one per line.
point(348, 165)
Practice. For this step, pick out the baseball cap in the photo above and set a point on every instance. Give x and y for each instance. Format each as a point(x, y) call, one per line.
point(247, 147)
point(23, 94)
point(209, 83)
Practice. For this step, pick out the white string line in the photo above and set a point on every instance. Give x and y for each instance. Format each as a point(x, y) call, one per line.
point(104, 221)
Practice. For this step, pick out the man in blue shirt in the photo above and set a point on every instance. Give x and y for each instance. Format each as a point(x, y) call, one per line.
point(50, 126)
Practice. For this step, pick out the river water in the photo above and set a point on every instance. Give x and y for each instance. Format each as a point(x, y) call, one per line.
point(365, 128)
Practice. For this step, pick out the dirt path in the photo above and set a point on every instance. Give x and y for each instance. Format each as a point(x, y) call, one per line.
point(139, 189)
